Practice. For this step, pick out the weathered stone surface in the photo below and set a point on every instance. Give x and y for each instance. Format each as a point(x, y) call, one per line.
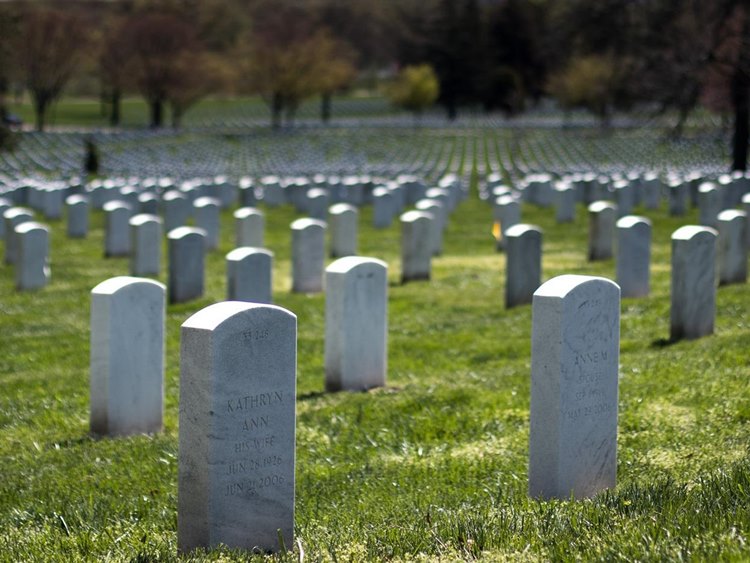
point(574, 363)
point(634, 256)
point(32, 259)
point(416, 248)
point(343, 220)
point(523, 270)
point(187, 256)
point(249, 275)
point(709, 204)
point(308, 255)
point(438, 211)
point(693, 306)
point(127, 356)
point(237, 428)
point(356, 324)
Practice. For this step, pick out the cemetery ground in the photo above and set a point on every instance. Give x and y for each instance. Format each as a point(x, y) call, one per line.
point(434, 466)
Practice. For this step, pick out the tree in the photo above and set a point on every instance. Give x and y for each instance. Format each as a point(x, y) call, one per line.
point(197, 75)
point(415, 89)
point(335, 69)
point(113, 67)
point(588, 82)
point(157, 47)
point(50, 45)
point(9, 30)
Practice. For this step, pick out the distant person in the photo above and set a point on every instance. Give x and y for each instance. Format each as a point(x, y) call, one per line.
point(91, 164)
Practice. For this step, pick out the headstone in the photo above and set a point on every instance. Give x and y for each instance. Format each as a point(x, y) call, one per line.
point(207, 217)
point(633, 256)
point(317, 204)
point(523, 270)
point(651, 191)
point(32, 258)
point(356, 324)
point(343, 220)
point(437, 226)
point(177, 209)
point(382, 208)
point(733, 246)
point(52, 203)
point(507, 212)
point(624, 193)
point(13, 217)
point(249, 275)
point(78, 216)
point(5, 204)
point(116, 228)
point(746, 209)
point(709, 204)
point(235, 486)
point(250, 226)
point(565, 203)
point(127, 356)
point(416, 249)
point(678, 198)
point(145, 245)
point(247, 193)
point(602, 217)
point(575, 352)
point(187, 250)
point(693, 306)
point(308, 255)
point(148, 203)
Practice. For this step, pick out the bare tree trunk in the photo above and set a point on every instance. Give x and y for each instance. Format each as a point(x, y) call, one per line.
point(177, 117)
point(40, 111)
point(157, 114)
point(276, 106)
point(114, 116)
point(325, 107)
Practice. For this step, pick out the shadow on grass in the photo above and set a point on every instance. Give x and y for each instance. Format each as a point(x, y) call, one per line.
point(664, 342)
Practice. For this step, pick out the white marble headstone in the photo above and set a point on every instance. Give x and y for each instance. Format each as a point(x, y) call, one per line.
point(127, 356)
point(250, 224)
point(574, 369)
point(32, 259)
point(343, 220)
point(187, 256)
point(356, 324)
point(693, 300)
point(416, 246)
point(602, 218)
point(308, 255)
point(733, 249)
point(634, 256)
point(250, 274)
point(237, 428)
point(523, 269)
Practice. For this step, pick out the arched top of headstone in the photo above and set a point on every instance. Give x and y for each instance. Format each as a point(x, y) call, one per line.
point(349, 263)
point(520, 229)
point(732, 215)
point(746, 198)
point(381, 192)
point(412, 216)
point(565, 285)
point(116, 205)
point(630, 221)
point(598, 206)
point(76, 199)
point(244, 251)
point(16, 212)
point(307, 223)
point(216, 315)
point(28, 226)
point(173, 194)
point(341, 208)
point(689, 232)
point(182, 232)
point(317, 192)
point(116, 284)
point(706, 187)
point(143, 218)
point(506, 199)
point(243, 212)
point(206, 201)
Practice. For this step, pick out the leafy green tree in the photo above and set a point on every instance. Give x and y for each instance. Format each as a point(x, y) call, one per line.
point(415, 89)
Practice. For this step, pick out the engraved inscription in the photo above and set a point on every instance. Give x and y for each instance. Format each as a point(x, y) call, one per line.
point(255, 401)
point(255, 334)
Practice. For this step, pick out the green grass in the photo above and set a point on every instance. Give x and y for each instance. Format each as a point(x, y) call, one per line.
point(433, 467)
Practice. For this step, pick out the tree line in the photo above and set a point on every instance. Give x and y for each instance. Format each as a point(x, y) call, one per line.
point(507, 55)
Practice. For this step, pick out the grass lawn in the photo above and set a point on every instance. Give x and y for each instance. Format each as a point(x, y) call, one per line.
point(432, 467)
